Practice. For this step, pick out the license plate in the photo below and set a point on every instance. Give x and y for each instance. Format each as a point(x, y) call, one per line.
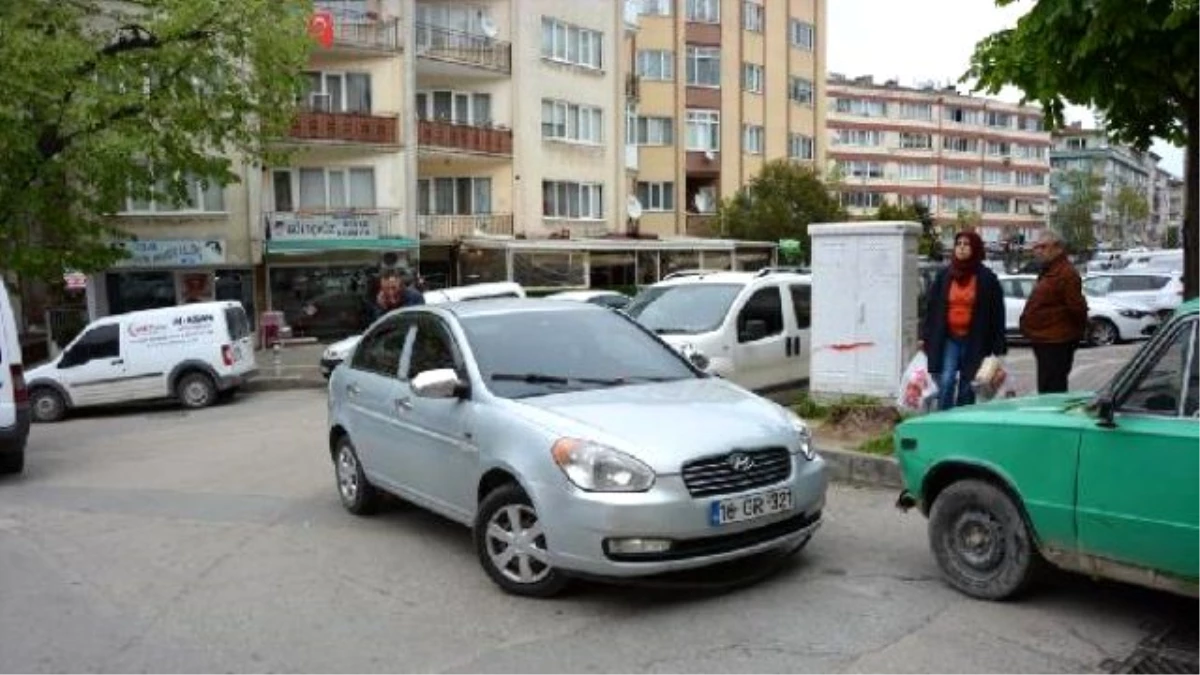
point(749, 507)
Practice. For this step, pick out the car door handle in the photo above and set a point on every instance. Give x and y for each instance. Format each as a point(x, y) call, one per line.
point(352, 389)
point(404, 404)
point(117, 362)
point(787, 344)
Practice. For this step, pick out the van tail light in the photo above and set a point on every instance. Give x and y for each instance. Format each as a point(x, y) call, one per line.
point(227, 354)
point(20, 391)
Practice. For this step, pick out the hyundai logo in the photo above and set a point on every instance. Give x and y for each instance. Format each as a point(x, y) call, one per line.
point(741, 462)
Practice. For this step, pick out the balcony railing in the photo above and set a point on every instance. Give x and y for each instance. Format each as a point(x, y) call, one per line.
point(345, 127)
point(483, 140)
point(447, 44)
point(457, 227)
point(703, 225)
point(366, 33)
point(633, 86)
point(349, 223)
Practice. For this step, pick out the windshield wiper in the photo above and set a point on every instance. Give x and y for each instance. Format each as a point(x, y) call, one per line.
point(531, 378)
point(673, 331)
point(540, 378)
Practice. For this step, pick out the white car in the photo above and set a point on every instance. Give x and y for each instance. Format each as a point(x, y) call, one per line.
point(1109, 320)
point(610, 299)
point(339, 351)
point(1159, 292)
point(754, 328)
point(14, 395)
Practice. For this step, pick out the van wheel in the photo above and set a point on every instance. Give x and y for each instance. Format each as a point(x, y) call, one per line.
point(196, 390)
point(47, 405)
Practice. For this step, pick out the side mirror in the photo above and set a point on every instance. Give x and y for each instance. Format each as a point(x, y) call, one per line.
point(1105, 412)
point(754, 330)
point(440, 383)
point(699, 360)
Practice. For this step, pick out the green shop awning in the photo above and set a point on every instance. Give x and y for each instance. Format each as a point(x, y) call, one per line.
point(309, 246)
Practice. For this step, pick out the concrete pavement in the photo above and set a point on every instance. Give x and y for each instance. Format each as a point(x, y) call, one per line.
point(163, 540)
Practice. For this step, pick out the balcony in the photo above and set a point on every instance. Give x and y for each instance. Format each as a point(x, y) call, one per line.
point(449, 228)
point(455, 47)
point(464, 138)
point(703, 225)
point(339, 224)
point(345, 127)
point(364, 33)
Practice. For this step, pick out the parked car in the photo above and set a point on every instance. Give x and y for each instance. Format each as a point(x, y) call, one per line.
point(753, 327)
point(193, 353)
point(571, 440)
point(1158, 292)
point(336, 353)
point(1109, 320)
point(14, 395)
point(1099, 483)
point(610, 299)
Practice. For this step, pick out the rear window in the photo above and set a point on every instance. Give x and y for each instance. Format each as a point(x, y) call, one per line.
point(237, 323)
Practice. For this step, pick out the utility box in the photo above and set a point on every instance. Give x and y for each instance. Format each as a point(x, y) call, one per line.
point(864, 307)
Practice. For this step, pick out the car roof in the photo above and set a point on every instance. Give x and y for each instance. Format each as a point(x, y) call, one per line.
point(580, 295)
point(493, 306)
point(726, 277)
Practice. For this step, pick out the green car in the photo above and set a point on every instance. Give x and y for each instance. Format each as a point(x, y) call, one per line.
point(1104, 483)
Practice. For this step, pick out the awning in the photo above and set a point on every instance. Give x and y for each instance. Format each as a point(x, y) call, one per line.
point(309, 246)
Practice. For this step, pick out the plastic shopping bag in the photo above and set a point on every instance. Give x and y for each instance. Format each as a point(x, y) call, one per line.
point(994, 379)
point(917, 388)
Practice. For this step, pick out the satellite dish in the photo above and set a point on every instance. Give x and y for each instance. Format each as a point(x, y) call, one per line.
point(633, 207)
point(488, 26)
point(703, 202)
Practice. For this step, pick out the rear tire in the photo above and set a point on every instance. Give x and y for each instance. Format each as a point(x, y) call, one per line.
point(47, 405)
point(196, 390)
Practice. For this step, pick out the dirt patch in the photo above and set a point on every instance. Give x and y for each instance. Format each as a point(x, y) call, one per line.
point(850, 426)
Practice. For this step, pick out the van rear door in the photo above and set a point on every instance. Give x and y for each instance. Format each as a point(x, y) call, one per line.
point(11, 372)
point(241, 343)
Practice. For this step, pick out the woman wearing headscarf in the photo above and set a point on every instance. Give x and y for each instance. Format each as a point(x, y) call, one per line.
point(964, 321)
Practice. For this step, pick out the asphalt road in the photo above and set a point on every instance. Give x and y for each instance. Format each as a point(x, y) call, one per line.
point(159, 540)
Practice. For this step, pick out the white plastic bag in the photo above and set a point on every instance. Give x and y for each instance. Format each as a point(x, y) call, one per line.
point(994, 379)
point(917, 388)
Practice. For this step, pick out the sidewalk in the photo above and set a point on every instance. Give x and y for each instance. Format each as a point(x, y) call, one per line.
point(290, 367)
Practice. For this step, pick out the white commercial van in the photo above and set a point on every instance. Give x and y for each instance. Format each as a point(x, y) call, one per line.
point(195, 353)
point(14, 396)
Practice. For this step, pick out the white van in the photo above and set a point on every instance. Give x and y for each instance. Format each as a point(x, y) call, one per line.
point(195, 353)
point(14, 396)
point(754, 328)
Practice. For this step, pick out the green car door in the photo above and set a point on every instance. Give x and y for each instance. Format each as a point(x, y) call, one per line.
point(1139, 466)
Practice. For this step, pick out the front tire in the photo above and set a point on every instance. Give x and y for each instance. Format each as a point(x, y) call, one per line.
point(357, 494)
point(512, 546)
point(981, 542)
point(47, 405)
point(1102, 333)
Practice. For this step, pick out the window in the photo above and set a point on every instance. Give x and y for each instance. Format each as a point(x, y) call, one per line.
point(752, 77)
point(1168, 386)
point(959, 174)
point(997, 177)
point(864, 137)
point(379, 351)
point(572, 122)
point(460, 17)
point(800, 90)
point(237, 324)
point(959, 144)
point(916, 111)
point(656, 64)
point(800, 146)
point(998, 119)
point(567, 43)
point(704, 11)
point(703, 66)
point(862, 107)
point(766, 306)
point(1033, 124)
point(956, 204)
point(1034, 152)
point(912, 141)
point(703, 130)
point(995, 205)
point(575, 201)
point(862, 200)
point(802, 305)
point(928, 201)
point(454, 196)
point(433, 348)
point(753, 139)
point(999, 149)
point(453, 106)
point(655, 7)
point(656, 196)
point(909, 171)
point(101, 342)
point(337, 92)
point(801, 34)
point(324, 189)
point(963, 115)
point(753, 17)
point(1031, 178)
point(203, 196)
point(655, 131)
point(1027, 207)
point(861, 169)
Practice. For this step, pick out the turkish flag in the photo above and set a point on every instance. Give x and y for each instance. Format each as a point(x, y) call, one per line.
point(320, 27)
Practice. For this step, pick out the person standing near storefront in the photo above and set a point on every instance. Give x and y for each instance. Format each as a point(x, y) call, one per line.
point(393, 293)
point(1056, 314)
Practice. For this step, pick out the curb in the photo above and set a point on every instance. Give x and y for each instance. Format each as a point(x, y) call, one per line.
point(283, 384)
point(857, 468)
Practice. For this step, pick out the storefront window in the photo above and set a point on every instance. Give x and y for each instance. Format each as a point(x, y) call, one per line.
point(647, 265)
point(717, 260)
point(135, 291)
point(549, 269)
point(323, 302)
point(677, 261)
point(482, 265)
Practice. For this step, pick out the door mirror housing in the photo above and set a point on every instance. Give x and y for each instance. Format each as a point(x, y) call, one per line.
point(1105, 412)
point(753, 331)
point(439, 383)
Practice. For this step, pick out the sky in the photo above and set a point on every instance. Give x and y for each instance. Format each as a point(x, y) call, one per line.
point(916, 41)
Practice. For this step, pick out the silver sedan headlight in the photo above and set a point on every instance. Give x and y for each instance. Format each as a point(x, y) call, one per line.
point(802, 430)
point(599, 468)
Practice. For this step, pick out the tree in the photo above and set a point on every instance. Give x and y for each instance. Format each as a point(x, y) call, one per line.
point(1073, 217)
point(110, 100)
point(1130, 208)
point(1172, 238)
point(1133, 62)
point(780, 203)
point(966, 220)
point(930, 243)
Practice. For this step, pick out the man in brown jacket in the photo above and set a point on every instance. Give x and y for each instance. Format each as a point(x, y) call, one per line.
point(1056, 314)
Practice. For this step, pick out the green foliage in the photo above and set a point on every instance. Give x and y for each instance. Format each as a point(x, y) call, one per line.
point(883, 444)
point(1133, 62)
point(809, 409)
point(1171, 239)
point(931, 242)
point(1129, 208)
point(97, 92)
point(1073, 218)
point(780, 203)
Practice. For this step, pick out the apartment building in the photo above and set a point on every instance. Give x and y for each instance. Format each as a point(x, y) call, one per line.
point(718, 88)
point(954, 153)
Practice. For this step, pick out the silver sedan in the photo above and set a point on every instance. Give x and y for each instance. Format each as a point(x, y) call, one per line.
point(571, 440)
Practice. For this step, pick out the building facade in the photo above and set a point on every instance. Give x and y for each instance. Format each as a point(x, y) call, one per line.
point(954, 153)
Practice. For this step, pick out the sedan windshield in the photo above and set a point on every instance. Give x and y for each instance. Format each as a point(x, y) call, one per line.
point(685, 309)
point(535, 353)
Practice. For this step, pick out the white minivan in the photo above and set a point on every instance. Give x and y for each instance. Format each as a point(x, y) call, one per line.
point(195, 353)
point(14, 395)
point(753, 328)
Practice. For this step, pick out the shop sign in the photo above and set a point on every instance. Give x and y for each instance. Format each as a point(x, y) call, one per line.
point(324, 225)
point(172, 252)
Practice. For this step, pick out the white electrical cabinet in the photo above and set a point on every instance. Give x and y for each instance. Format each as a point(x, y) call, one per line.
point(864, 307)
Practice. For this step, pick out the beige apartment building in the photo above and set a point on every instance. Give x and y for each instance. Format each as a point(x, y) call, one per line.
point(952, 152)
point(719, 87)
